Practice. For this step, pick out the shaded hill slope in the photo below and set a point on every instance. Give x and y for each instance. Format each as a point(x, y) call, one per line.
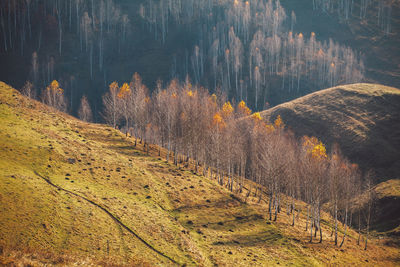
point(364, 119)
point(79, 193)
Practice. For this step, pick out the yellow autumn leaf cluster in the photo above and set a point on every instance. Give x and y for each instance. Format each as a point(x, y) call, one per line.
point(55, 87)
point(243, 109)
point(319, 151)
point(279, 123)
point(227, 109)
point(218, 120)
point(256, 117)
point(314, 147)
point(124, 91)
point(309, 143)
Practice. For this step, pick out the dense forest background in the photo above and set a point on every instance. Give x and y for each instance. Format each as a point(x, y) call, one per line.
point(264, 52)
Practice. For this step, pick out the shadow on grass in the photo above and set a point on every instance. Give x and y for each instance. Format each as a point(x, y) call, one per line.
point(268, 238)
point(127, 151)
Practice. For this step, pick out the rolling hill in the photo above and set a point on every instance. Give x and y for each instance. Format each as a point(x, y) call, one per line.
point(364, 119)
point(78, 193)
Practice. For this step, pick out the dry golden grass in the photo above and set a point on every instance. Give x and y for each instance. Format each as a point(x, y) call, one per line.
point(73, 193)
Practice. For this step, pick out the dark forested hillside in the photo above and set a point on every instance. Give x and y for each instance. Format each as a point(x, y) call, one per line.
point(258, 51)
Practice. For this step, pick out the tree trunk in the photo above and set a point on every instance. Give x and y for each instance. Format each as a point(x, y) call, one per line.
point(308, 216)
point(293, 211)
point(336, 225)
point(270, 206)
point(311, 227)
point(368, 219)
point(345, 227)
point(279, 203)
point(359, 228)
point(276, 208)
point(316, 219)
point(319, 224)
point(169, 149)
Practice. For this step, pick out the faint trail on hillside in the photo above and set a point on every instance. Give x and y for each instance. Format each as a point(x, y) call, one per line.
point(109, 214)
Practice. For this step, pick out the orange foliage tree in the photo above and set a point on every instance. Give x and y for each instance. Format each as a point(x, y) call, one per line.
point(53, 96)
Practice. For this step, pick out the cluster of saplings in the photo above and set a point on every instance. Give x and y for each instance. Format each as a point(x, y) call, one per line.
point(53, 95)
point(229, 143)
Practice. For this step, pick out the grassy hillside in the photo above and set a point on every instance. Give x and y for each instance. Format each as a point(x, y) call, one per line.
point(364, 119)
point(388, 208)
point(79, 193)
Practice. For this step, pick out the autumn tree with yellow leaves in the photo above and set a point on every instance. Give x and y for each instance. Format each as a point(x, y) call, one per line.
point(139, 104)
point(314, 171)
point(111, 111)
point(54, 96)
point(125, 101)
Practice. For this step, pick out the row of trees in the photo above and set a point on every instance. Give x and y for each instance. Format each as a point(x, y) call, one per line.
point(247, 49)
point(229, 143)
point(53, 95)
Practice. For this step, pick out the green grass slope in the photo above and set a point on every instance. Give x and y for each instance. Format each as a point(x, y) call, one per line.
point(74, 193)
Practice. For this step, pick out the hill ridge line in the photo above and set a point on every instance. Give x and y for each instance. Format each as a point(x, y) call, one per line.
point(109, 214)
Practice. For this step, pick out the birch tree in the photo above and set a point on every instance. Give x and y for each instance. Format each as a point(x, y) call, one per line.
point(85, 112)
point(111, 112)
